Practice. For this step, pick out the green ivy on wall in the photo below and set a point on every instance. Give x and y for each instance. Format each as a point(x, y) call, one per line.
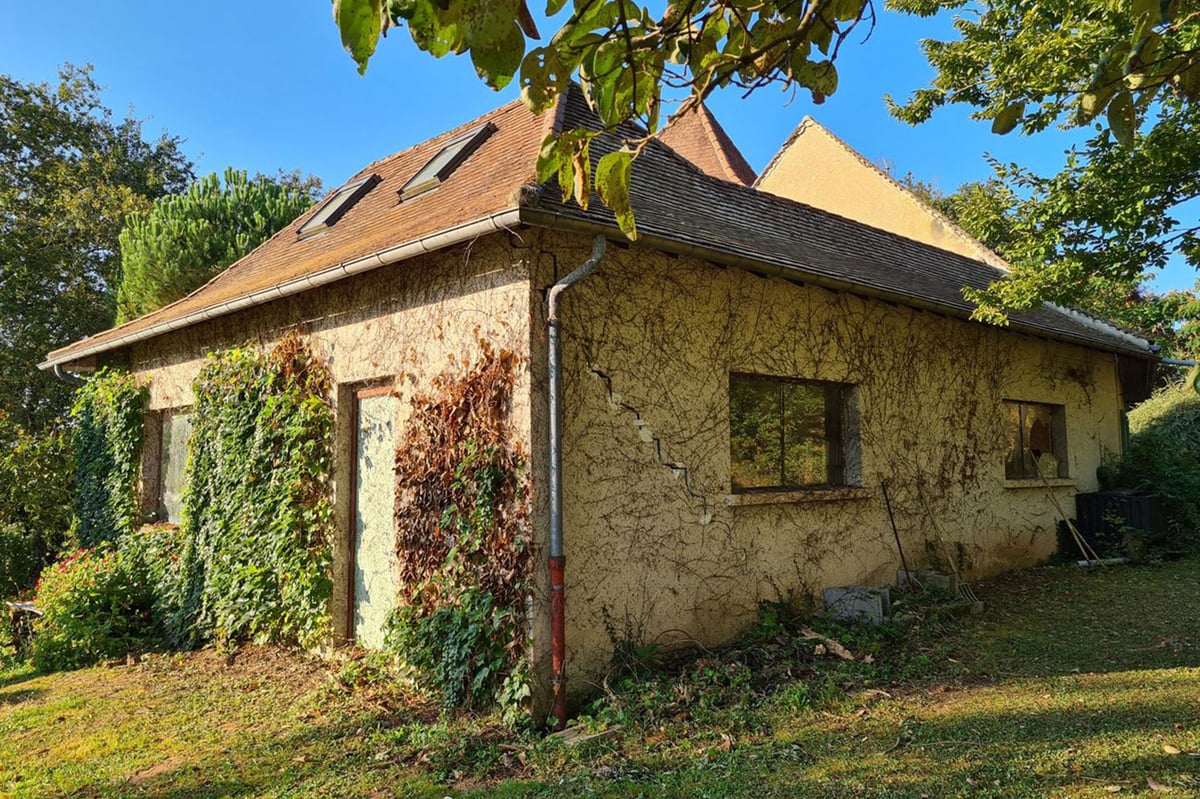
point(108, 415)
point(257, 504)
point(463, 535)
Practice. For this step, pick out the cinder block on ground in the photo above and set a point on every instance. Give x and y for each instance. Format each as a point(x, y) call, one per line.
point(859, 603)
point(927, 578)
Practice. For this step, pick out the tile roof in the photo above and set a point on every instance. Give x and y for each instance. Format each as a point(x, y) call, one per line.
point(698, 137)
point(486, 183)
point(678, 206)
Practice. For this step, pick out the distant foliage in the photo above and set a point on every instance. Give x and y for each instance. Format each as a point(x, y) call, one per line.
point(19, 566)
point(257, 515)
point(185, 239)
point(70, 173)
point(36, 481)
point(96, 606)
point(108, 416)
point(1164, 453)
point(462, 522)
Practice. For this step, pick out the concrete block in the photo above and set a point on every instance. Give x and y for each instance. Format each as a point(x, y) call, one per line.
point(927, 578)
point(859, 603)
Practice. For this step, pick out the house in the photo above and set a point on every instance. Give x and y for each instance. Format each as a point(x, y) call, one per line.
point(733, 387)
point(816, 167)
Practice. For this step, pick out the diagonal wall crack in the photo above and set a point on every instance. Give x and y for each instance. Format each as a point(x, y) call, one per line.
point(681, 471)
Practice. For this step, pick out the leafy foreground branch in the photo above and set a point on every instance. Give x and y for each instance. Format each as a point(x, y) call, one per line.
point(625, 58)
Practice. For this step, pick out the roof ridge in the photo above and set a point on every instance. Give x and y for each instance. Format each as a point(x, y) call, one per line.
point(717, 132)
point(783, 148)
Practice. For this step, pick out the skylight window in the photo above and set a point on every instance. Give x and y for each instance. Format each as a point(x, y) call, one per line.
point(448, 159)
point(332, 209)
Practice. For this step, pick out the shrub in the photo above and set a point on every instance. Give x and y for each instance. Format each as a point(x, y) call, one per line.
point(462, 523)
point(153, 552)
point(97, 605)
point(460, 649)
point(1163, 456)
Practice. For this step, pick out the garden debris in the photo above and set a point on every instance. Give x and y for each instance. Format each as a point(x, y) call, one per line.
point(579, 735)
point(1157, 786)
point(833, 646)
point(1172, 750)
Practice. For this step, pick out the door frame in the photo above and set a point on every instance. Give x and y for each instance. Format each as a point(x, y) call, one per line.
point(369, 388)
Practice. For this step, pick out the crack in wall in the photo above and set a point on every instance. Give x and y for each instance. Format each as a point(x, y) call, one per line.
point(681, 471)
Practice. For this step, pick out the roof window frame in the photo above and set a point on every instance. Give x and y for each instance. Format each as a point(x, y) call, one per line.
point(466, 144)
point(346, 197)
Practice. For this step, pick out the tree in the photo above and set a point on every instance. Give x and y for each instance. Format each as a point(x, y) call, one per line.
point(185, 239)
point(995, 215)
point(1131, 71)
point(69, 174)
point(625, 56)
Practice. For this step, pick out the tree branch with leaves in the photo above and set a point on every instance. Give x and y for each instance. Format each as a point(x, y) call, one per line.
point(626, 59)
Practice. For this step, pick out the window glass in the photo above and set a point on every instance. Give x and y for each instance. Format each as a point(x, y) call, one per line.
point(443, 164)
point(338, 204)
point(756, 431)
point(176, 430)
point(1036, 440)
point(786, 433)
point(805, 460)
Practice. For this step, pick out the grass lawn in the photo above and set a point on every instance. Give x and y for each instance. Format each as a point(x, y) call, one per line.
point(1072, 684)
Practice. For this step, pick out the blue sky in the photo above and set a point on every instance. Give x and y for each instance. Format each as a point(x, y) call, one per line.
point(264, 85)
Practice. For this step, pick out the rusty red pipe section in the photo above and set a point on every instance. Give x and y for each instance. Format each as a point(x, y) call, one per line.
point(558, 640)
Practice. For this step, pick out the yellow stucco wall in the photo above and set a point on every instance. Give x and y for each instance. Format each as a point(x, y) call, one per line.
point(658, 549)
point(657, 546)
point(818, 169)
point(407, 323)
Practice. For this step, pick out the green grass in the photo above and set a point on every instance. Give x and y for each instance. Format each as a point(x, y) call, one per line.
point(1072, 683)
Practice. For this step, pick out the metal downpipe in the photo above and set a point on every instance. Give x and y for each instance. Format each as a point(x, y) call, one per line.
point(558, 561)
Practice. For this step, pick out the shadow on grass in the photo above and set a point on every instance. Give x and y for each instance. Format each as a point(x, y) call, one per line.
point(945, 749)
point(322, 760)
point(17, 675)
point(1061, 620)
point(19, 695)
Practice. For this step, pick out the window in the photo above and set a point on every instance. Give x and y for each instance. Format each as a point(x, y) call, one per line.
point(442, 165)
point(333, 208)
point(788, 433)
point(176, 430)
point(1037, 437)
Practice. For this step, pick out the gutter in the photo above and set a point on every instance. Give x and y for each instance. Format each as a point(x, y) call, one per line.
point(558, 561)
point(558, 221)
point(492, 223)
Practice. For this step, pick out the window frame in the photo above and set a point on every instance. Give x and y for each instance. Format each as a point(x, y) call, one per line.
point(344, 199)
point(841, 435)
point(1058, 440)
point(465, 145)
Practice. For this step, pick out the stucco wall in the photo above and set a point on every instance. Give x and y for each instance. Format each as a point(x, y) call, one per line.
point(818, 169)
point(405, 323)
point(657, 546)
point(658, 549)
